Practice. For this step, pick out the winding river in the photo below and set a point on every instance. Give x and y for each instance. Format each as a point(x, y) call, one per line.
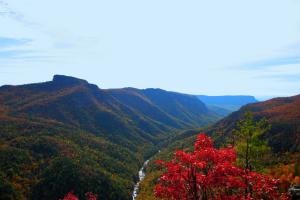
point(141, 177)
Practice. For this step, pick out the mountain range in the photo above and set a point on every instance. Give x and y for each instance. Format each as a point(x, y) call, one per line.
point(69, 135)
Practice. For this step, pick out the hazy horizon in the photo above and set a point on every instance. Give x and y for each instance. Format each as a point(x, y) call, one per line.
point(195, 47)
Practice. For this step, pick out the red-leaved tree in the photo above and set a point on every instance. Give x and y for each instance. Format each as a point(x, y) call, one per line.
point(72, 196)
point(208, 173)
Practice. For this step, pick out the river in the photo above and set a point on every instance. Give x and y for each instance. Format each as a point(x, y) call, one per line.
point(141, 177)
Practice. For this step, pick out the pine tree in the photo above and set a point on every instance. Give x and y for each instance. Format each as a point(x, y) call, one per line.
point(252, 149)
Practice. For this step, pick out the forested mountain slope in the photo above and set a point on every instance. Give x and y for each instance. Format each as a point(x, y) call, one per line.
point(283, 114)
point(67, 134)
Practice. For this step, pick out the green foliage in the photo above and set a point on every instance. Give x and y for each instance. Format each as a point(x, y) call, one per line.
point(146, 189)
point(252, 150)
point(81, 176)
point(7, 191)
point(13, 159)
point(47, 163)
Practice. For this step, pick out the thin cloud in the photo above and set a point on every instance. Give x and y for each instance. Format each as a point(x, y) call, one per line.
point(13, 54)
point(283, 77)
point(10, 57)
point(11, 42)
point(7, 11)
point(290, 55)
point(291, 60)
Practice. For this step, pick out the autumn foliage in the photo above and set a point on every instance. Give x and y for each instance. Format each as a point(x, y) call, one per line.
point(208, 173)
point(287, 174)
point(72, 196)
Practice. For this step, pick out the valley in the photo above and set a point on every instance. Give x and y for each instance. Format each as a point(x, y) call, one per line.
point(69, 135)
point(149, 100)
point(282, 114)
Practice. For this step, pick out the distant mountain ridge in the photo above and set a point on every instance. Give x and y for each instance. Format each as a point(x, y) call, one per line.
point(224, 105)
point(149, 111)
point(68, 121)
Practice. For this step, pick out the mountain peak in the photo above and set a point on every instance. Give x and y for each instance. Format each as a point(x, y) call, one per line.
point(68, 80)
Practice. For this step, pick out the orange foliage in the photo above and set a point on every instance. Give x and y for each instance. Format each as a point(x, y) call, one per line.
point(287, 174)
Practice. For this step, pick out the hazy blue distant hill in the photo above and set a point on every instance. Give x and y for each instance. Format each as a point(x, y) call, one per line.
point(224, 105)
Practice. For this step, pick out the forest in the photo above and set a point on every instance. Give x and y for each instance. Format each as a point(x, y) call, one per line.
point(68, 138)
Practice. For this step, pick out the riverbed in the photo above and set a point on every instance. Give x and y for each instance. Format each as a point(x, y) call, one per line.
point(142, 175)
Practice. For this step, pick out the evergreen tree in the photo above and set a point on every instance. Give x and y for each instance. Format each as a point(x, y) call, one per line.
point(253, 151)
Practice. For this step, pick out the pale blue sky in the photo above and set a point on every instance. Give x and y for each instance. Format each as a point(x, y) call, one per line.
point(212, 47)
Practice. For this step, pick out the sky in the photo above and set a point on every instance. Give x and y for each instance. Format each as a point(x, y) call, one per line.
point(212, 47)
